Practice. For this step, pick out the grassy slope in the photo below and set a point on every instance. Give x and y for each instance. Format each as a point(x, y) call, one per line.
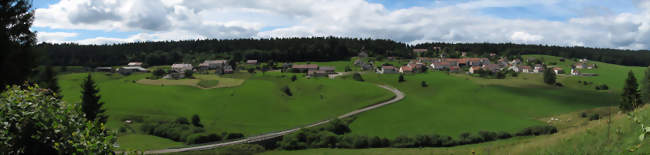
point(255, 107)
point(452, 105)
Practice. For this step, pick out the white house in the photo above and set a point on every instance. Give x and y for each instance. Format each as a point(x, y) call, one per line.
point(181, 67)
point(514, 68)
point(575, 72)
point(538, 68)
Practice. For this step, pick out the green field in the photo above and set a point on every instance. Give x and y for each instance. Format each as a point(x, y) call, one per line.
point(453, 104)
point(255, 107)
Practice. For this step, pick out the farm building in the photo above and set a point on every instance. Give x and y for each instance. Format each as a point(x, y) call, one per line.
point(575, 72)
point(387, 70)
point(251, 62)
point(134, 64)
point(526, 69)
point(328, 69)
point(538, 68)
point(129, 70)
point(491, 67)
point(558, 70)
point(317, 73)
point(406, 69)
point(454, 69)
point(474, 69)
point(181, 67)
point(212, 64)
point(303, 68)
point(227, 69)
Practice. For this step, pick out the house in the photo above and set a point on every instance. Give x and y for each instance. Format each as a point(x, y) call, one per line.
point(129, 70)
point(286, 66)
point(426, 60)
point(328, 69)
point(317, 73)
point(526, 69)
point(180, 68)
point(440, 65)
point(575, 72)
point(387, 70)
point(417, 67)
point(251, 62)
point(304, 68)
point(454, 69)
point(491, 67)
point(558, 70)
point(104, 69)
point(227, 69)
point(134, 64)
point(474, 69)
point(583, 60)
point(213, 64)
point(584, 66)
point(366, 66)
point(406, 69)
point(514, 68)
point(538, 68)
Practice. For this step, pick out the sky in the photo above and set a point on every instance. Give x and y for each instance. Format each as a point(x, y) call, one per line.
point(621, 24)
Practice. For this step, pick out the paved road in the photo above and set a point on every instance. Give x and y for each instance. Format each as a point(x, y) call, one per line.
point(398, 96)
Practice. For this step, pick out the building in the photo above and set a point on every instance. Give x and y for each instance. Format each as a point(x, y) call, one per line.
point(558, 70)
point(213, 64)
point(134, 64)
point(129, 70)
point(104, 69)
point(454, 69)
point(227, 69)
point(575, 72)
point(303, 68)
point(526, 69)
point(251, 62)
point(366, 66)
point(515, 68)
point(180, 68)
point(328, 69)
point(317, 73)
point(538, 68)
point(491, 67)
point(474, 69)
point(387, 70)
point(406, 69)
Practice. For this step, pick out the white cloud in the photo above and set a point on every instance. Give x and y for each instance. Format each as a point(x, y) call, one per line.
point(54, 37)
point(464, 22)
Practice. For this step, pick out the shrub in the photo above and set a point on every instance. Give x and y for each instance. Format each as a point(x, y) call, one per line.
point(293, 78)
point(559, 84)
point(234, 136)
point(182, 120)
point(196, 121)
point(403, 142)
point(360, 142)
point(158, 73)
point(172, 130)
point(337, 126)
point(401, 78)
point(357, 76)
point(189, 74)
point(199, 138)
point(347, 69)
point(423, 141)
point(583, 115)
point(594, 117)
point(503, 135)
point(488, 135)
point(424, 84)
point(287, 91)
point(537, 130)
point(375, 142)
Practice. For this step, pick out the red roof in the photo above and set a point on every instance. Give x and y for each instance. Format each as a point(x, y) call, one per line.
point(406, 69)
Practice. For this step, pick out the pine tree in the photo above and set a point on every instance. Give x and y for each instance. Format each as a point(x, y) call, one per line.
point(631, 98)
point(401, 78)
point(16, 41)
point(48, 80)
point(549, 76)
point(645, 87)
point(90, 104)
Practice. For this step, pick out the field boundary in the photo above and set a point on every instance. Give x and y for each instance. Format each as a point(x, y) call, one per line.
point(398, 96)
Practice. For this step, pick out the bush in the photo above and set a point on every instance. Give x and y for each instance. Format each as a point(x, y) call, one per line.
point(189, 74)
point(234, 136)
point(173, 130)
point(424, 84)
point(199, 138)
point(488, 135)
point(347, 69)
point(559, 84)
point(503, 135)
point(401, 78)
point(196, 121)
point(403, 142)
point(360, 142)
point(287, 91)
point(537, 130)
point(182, 120)
point(294, 78)
point(337, 126)
point(583, 115)
point(602, 87)
point(357, 76)
point(594, 117)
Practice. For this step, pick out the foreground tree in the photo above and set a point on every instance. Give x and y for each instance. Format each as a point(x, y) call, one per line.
point(549, 76)
point(631, 98)
point(16, 41)
point(90, 104)
point(47, 125)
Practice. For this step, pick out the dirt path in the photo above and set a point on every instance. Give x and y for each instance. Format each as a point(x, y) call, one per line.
point(398, 96)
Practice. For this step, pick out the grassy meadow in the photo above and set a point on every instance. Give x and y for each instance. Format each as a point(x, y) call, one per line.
point(256, 106)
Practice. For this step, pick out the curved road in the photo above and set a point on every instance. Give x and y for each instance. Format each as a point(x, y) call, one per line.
point(398, 96)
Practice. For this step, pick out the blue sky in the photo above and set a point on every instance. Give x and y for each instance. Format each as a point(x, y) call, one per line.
point(608, 23)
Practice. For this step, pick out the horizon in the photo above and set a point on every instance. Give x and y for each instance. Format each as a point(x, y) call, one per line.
point(602, 24)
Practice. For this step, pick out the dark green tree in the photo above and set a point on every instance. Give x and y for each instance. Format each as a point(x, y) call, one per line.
point(631, 98)
point(158, 73)
point(338, 127)
point(549, 76)
point(424, 84)
point(294, 78)
point(189, 74)
point(196, 121)
point(357, 76)
point(48, 80)
point(90, 103)
point(645, 87)
point(401, 78)
point(16, 41)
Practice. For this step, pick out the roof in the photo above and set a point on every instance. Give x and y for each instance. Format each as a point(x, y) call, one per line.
point(181, 65)
point(557, 68)
point(327, 68)
point(134, 68)
point(475, 68)
point(215, 61)
point(406, 68)
point(134, 63)
point(454, 68)
point(251, 61)
point(387, 67)
point(104, 68)
point(305, 66)
point(491, 67)
point(525, 67)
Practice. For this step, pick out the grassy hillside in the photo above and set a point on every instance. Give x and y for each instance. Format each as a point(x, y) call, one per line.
point(255, 107)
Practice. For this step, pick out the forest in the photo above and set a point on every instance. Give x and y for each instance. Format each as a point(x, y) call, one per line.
point(302, 49)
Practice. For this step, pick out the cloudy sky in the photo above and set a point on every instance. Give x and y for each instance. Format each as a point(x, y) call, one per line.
point(623, 24)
